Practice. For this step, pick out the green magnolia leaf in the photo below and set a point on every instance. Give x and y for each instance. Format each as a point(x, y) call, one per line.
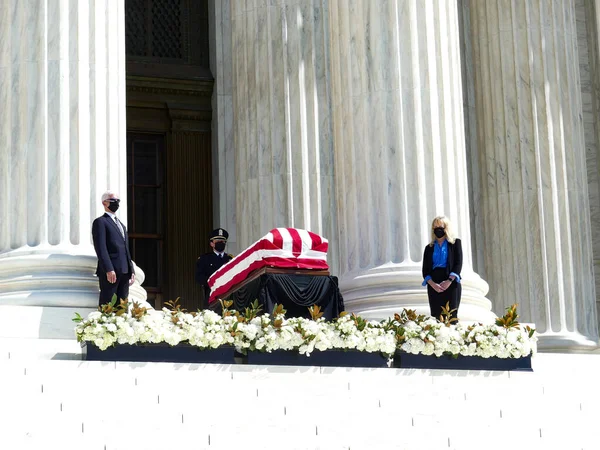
point(315, 312)
point(279, 310)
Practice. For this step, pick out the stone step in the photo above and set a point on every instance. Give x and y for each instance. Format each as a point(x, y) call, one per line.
point(107, 405)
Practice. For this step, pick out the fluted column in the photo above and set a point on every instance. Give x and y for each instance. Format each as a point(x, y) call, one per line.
point(62, 143)
point(538, 244)
point(281, 123)
point(591, 119)
point(399, 150)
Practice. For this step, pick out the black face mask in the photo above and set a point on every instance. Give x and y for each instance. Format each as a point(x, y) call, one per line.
point(113, 206)
point(439, 232)
point(220, 246)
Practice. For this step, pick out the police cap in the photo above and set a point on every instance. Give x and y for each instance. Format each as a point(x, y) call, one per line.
point(218, 234)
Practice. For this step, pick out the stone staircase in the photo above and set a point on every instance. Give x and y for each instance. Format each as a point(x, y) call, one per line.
point(50, 398)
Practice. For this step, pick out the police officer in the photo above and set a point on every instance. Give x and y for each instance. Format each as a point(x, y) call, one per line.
point(208, 263)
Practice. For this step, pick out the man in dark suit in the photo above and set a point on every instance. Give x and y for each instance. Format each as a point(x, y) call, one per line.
point(208, 263)
point(115, 269)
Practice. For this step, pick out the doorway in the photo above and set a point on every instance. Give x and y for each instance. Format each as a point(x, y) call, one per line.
point(169, 162)
point(145, 217)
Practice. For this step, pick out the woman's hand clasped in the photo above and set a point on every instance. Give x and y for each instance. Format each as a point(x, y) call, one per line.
point(445, 285)
point(436, 287)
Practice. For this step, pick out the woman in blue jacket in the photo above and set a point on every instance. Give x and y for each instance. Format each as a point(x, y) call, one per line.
point(442, 263)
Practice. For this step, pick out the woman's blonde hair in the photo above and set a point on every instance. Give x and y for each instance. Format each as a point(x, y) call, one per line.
point(444, 222)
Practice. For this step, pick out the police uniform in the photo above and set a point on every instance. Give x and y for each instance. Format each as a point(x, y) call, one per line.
point(210, 262)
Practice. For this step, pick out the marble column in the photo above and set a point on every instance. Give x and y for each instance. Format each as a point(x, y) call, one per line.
point(538, 242)
point(589, 13)
point(223, 147)
point(281, 123)
point(399, 150)
point(62, 143)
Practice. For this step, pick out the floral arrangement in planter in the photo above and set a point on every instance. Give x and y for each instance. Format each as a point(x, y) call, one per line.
point(419, 334)
point(268, 332)
point(127, 323)
point(249, 330)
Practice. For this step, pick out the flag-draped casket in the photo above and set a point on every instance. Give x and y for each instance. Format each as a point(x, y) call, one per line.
point(289, 248)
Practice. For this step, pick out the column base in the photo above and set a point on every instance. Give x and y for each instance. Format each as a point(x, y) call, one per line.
point(380, 292)
point(568, 342)
point(55, 276)
point(61, 276)
point(41, 289)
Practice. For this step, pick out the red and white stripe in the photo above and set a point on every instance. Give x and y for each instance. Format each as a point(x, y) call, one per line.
point(281, 247)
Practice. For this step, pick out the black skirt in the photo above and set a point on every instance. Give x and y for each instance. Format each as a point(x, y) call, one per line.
point(439, 299)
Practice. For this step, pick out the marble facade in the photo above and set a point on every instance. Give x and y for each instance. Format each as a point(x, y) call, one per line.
point(62, 144)
point(400, 151)
point(224, 181)
point(360, 120)
point(282, 120)
point(588, 15)
point(533, 164)
point(364, 86)
point(416, 65)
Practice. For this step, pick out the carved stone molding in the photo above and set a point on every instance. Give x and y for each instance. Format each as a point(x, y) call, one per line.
point(169, 86)
point(167, 103)
point(155, 90)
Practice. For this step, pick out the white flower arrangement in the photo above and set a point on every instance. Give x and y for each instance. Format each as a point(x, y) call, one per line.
point(407, 332)
point(431, 337)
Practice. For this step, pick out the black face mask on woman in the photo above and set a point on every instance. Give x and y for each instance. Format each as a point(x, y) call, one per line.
point(219, 246)
point(439, 232)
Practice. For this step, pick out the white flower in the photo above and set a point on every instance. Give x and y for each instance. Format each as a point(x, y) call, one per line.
point(428, 349)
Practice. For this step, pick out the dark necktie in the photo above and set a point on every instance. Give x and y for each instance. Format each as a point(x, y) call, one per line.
point(120, 227)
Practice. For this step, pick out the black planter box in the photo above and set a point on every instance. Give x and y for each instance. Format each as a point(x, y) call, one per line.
point(409, 361)
point(327, 358)
point(162, 352)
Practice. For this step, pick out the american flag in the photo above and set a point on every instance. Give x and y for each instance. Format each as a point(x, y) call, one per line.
point(281, 247)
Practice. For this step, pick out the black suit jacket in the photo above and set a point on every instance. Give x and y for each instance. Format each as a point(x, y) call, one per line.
point(111, 247)
point(208, 264)
point(454, 263)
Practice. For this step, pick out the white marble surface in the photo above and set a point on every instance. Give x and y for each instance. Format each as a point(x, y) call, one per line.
point(588, 21)
point(470, 114)
point(223, 154)
point(537, 242)
point(63, 138)
point(52, 399)
point(281, 119)
point(39, 322)
point(399, 150)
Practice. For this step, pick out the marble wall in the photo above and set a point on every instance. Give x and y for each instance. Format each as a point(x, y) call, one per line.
point(398, 85)
point(349, 118)
point(588, 21)
point(281, 119)
point(531, 159)
point(399, 147)
point(223, 149)
point(472, 152)
point(62, 144)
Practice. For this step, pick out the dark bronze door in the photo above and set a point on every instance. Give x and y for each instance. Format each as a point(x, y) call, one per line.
point(146, 207)
point(169, 201)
